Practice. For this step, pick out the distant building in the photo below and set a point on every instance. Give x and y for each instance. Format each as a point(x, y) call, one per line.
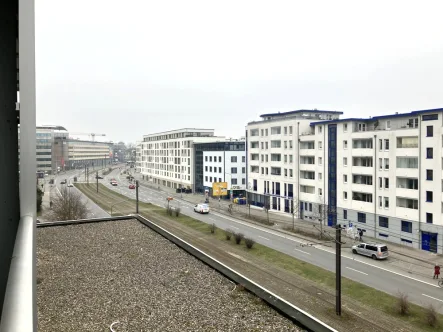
point(222, 161)
point(167, 158)
point(73, 154)
point(45, 137)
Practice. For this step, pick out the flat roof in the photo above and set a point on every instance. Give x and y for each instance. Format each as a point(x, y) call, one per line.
point(92, 275)
point(182, 130)
point(379, 117)
point(299, 111)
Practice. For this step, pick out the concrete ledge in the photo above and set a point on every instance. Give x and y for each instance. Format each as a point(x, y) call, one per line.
point(83, 221)
point(294, 313)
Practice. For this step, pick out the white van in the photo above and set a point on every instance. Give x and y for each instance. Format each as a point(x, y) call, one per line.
point(373, 250)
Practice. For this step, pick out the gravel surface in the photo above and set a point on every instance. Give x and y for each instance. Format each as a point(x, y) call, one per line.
point(92, 275)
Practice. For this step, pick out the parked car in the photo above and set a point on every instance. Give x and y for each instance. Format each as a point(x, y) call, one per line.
point(373, 250)
point(63, 182)
point(70, 185)
point(132, 186)
point(201, 208)
point(98, 177)
point(114, 183)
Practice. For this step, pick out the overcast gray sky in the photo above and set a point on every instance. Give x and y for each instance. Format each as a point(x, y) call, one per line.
point(133, 67)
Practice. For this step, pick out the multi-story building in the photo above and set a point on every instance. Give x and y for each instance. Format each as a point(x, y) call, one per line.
point(138, 156)
point(167, 158)
point(382, 174)
point(223, 161)
point(45, 137)
point(71, 153)
point(276, 155)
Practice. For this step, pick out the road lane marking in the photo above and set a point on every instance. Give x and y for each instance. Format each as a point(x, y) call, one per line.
point(307, 253)
point(356, 271)
point(432, 297)
point(381, 268)
point(264, 238)
point(212, 219)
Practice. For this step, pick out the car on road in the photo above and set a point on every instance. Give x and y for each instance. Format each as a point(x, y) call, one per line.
point(373, 250)
point(114, 183)
point(63, 182)
point(132, 186)
point(201, 208)
point(99, 177)
point(70, 185)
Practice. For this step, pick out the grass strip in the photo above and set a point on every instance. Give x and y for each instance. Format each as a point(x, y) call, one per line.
point(366, 295)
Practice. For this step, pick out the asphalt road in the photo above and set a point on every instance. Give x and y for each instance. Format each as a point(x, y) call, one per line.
point(376, 274)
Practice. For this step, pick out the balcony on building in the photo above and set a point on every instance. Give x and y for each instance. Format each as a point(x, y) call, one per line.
point(362, 165)
point(407, 167)
point(407, 208)
point(383, 123)
point(407, 187)
point(307, 162)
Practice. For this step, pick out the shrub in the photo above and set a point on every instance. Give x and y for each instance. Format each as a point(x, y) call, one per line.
point(431, 316)
point(403, 304)
point(249, 242)
point(212, 228)
point(177, 212)
point(238, 237)
point(228, 234)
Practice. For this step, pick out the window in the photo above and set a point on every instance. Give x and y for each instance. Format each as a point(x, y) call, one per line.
point(320, 145)
point(266, 132)
point(386, 163)
point(290, 144)
point(275, 130)
point(262, 170)
point(290, 130)
point(406, 226)
point(210, 179)
point(361, 197)
point(210, 169)
point(407, 162)
point(386, 183)
point(429, 174)
point(243, 170)
point(210, 158)
point(429, 131)
point(429, 117)
point(320, 191)
point(286, 144)
point(429, 153)
point(345, 178)
point(285, 130)
point(234, 181)
point(320, 128)
point(320, 176)
point(286, 172)
point(206, 168)
point(266, 157)
point(219, 170)
point(219, 179)
point(345, 214)
point(429, 218)
point(262, 132)
point(380, 163)
point(290, 173)
point(345, 195)
point(243, 159)
point(233, 170)
point(383, 235)
point(380, 144)
point(383, 222)
point(361, 217)
point(429, 196)
point(206, 178)
point(290, 158)
point(380, 183)
point(320, 160)
point(345, 127)
point(243, 181)
point(407, 203)
point(386, 200)
point(406, 241)
point(206, 158)
point(266, 145)
point(345, 144)
point(345, 161)
point(386, 144)
point(380, 202)
point(286, 158)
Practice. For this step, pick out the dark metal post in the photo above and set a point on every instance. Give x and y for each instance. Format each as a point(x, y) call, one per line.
point(293, 212)
point(85, 173)
point(136, 196)
point(96, 178)
point(338, 270)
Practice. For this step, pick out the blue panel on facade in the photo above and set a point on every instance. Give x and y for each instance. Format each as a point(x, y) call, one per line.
point(429, 241)
point(332, 174)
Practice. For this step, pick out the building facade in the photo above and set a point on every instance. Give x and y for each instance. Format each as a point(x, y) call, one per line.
point(74, 154)
point(382, 175)
point(223, 161)
point(45, 138)
point(167, 158)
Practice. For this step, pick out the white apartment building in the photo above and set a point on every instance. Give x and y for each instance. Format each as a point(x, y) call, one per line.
point(382, 175)
point(138, 156)
point(274, 161)
point(167, 158)
point(223, 161)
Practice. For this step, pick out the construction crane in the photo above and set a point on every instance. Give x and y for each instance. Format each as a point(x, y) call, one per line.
point(93, 135)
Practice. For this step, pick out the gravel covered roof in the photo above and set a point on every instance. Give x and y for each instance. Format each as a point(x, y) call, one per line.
point(92, 275)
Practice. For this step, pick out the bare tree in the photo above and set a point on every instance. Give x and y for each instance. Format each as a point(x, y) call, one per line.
point(295, 208)
point(68, 206)
point(320, 212)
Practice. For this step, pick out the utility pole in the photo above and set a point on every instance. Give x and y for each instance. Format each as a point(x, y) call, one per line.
point(96, 178)
point(136, 196)
point(338, 270)
point(85, 173)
